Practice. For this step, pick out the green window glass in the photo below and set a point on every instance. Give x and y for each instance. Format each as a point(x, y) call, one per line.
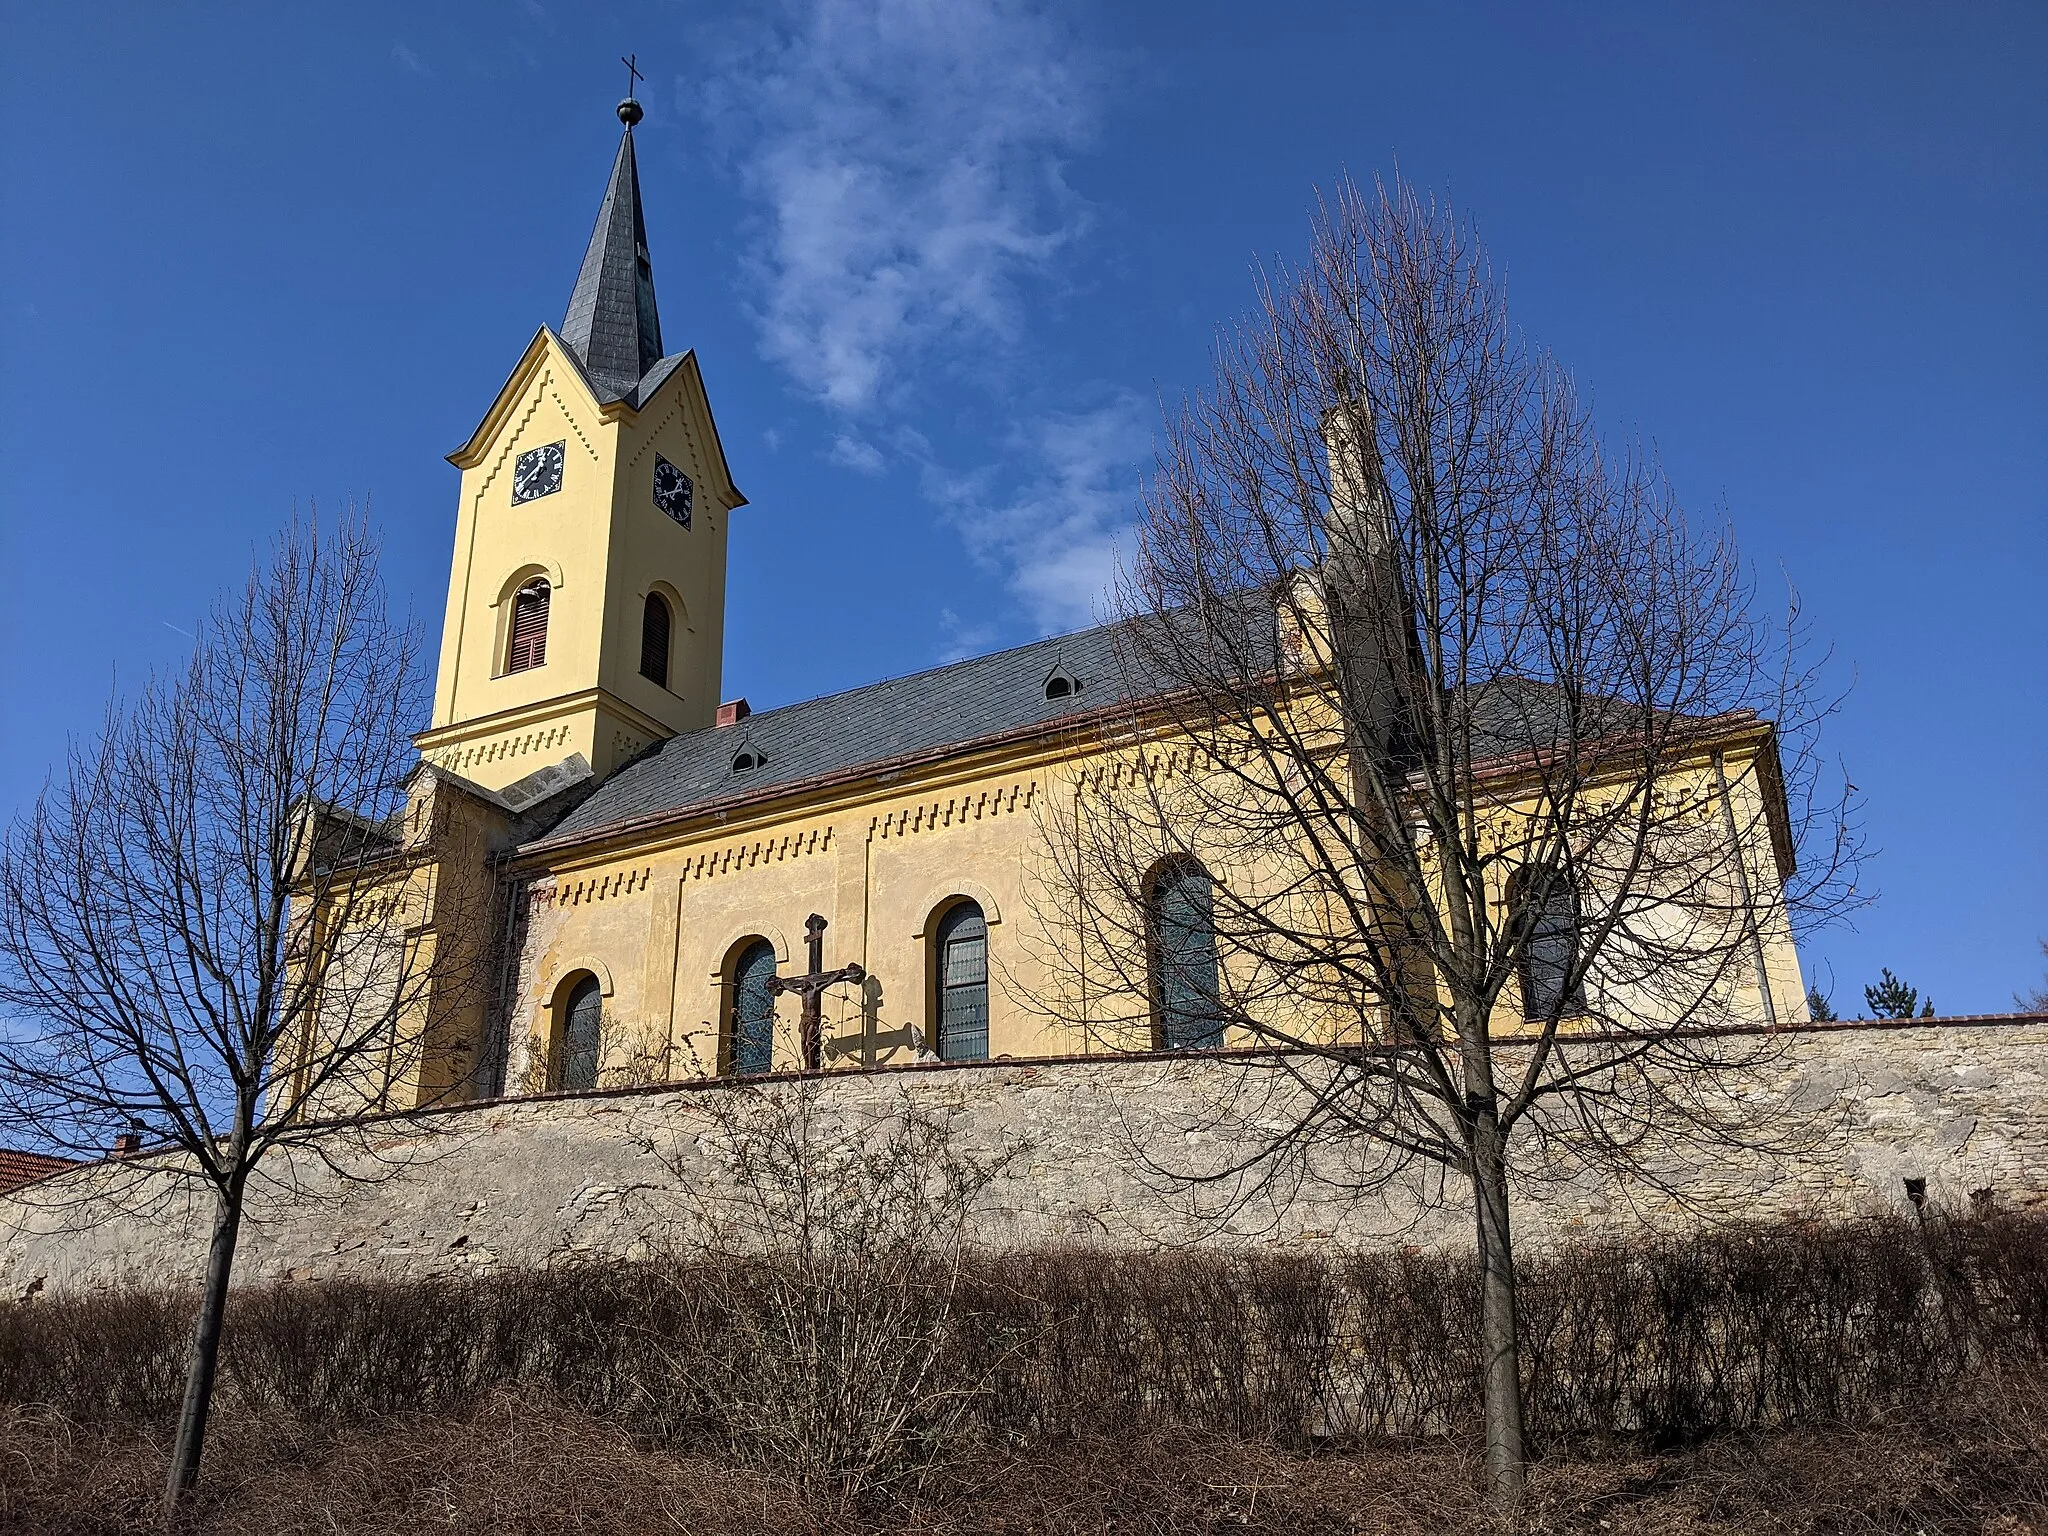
point(1185, 997)
point(753, 1010)
point(582, 1028)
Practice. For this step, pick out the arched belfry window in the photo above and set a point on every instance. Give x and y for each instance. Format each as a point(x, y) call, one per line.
point(654, 633)
point(1543, 910)
point(582, 1033)
point(960, 956)
point(750, 1033)
point(529, 647)
point(1181, 920)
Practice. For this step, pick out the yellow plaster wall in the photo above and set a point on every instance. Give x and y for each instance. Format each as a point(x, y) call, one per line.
point(603, 545)
point(667, 925)
point(662, 925)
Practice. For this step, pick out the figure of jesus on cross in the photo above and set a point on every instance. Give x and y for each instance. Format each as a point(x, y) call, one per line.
point(811, 989)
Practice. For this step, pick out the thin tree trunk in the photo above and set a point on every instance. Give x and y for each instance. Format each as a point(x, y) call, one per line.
point(204, 1358)
point(1500, 1357)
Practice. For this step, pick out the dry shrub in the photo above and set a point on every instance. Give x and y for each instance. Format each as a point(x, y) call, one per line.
point(865, 1356)
point(1087, 1341)
point(824, 1305)
point(117, 1358)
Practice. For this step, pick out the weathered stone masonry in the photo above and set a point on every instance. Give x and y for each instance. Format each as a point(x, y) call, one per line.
point(1960, 1104)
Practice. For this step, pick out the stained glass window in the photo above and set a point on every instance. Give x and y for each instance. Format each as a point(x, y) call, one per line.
point(963, 984)
point(582, 1030)
point(1184, 973)
point(753, 1010)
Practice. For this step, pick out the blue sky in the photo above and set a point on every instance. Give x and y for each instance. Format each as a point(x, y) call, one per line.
point(941, 259)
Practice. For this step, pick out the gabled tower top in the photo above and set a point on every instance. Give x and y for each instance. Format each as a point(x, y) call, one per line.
point(612, 324)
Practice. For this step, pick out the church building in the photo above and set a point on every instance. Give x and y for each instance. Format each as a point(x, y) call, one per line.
point(657, 883)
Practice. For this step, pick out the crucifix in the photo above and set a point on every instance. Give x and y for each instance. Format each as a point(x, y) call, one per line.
point(811, 989)
point(633, 75)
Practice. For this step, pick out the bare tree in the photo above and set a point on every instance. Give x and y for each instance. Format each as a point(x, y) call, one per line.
point(2035, 1001)
point(1471, 752)
point(623, 1053)
point(214, 921)
point(832, 1245)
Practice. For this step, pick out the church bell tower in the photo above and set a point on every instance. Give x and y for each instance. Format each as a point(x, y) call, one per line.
point(586, 603)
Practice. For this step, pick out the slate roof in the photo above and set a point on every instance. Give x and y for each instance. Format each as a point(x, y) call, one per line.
point(950, 706)
point(612, 325)
point(959, 705)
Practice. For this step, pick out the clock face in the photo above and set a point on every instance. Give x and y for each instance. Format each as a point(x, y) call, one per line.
point(538, 472)
point(672, 490)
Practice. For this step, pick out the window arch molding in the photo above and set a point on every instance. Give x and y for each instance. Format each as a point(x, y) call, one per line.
point(678, 610)
point(940, 897)
point(504, 605)
point(560, 975)
point(526, 573)
point(738, 938)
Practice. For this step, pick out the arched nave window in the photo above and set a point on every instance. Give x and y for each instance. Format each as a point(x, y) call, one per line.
point(1544, 910)
point(960, 960)
point(750, 1032)
point(1181, 917)
point(581, 1034)
point(529, 647)
point(654, 632)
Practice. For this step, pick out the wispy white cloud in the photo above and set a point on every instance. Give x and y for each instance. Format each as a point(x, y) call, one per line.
point(1053, 524)
point(907, 160)
point(856, 453)
point(408, 60)
point(907, 155)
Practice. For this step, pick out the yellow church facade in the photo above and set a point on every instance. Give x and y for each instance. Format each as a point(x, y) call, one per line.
point(631, 864)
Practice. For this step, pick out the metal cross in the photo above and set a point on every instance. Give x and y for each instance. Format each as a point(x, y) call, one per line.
point(633, 75)
point(812, 988)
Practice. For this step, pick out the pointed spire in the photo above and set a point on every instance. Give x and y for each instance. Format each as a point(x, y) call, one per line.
point(612, 324)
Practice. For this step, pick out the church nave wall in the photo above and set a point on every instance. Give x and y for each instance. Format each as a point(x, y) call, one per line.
point(664, 931)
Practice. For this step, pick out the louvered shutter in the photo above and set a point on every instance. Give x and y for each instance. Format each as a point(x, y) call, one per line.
point(529, 627)
point(963, 984)
point(654, 640)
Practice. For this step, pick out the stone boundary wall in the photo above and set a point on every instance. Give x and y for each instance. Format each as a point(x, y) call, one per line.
point(1962, 1105)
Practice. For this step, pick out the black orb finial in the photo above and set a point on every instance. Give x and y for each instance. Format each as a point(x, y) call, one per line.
point(629, 109)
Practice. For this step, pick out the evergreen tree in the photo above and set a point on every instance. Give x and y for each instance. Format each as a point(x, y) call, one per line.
point(1891, 998)
point(1819, 1007)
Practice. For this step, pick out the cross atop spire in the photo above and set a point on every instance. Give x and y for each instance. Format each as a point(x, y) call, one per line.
point(612, 324)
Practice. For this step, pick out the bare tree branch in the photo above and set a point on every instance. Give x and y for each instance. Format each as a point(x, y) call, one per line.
point(1499, 796)
point(216, 915)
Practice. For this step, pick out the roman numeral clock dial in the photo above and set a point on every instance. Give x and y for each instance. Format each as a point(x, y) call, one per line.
point(672, 490)
point(537, 472)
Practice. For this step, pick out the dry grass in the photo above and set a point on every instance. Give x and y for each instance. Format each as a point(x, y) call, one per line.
point(1975, 1465)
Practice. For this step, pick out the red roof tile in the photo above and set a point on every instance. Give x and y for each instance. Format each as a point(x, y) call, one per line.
point(19, 1168)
